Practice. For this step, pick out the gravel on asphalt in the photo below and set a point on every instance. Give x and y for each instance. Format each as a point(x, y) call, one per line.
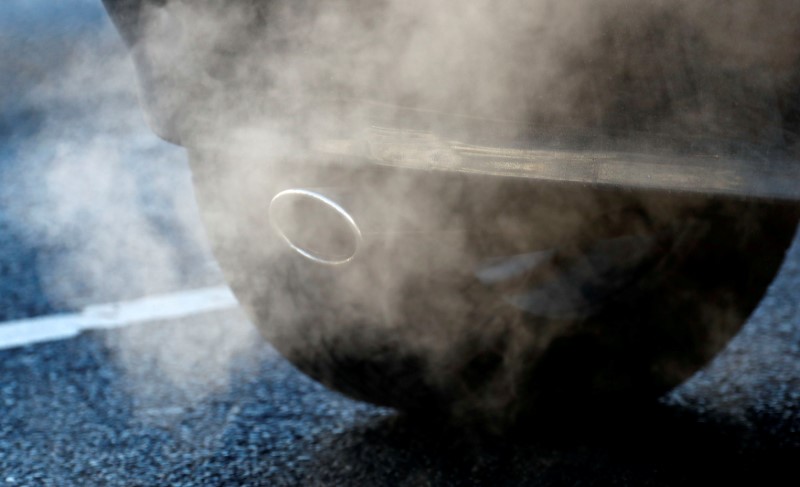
point(141, 407)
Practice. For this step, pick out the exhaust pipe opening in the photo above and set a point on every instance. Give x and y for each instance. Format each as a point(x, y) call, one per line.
point(315, 226)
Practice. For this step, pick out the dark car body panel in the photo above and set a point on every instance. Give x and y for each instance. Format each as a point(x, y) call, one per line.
point(493, 210)
point(750, 148)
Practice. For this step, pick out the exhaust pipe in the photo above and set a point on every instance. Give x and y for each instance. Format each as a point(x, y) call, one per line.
point(315, 226)
point(331, 225)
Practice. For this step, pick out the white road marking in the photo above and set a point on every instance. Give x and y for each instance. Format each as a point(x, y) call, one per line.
point(115, 315)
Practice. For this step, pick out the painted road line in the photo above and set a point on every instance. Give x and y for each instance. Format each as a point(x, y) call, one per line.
point(116, 315)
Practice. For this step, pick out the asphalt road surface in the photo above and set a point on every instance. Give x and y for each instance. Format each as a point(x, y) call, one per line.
point(94, 209)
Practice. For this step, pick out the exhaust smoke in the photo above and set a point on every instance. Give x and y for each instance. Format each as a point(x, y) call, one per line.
point(271, 96)
point(106, 208)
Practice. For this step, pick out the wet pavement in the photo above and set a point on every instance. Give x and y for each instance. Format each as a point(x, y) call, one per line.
point(94, 208)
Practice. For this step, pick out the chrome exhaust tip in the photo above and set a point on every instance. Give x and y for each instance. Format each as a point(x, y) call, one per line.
point(315, 226)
